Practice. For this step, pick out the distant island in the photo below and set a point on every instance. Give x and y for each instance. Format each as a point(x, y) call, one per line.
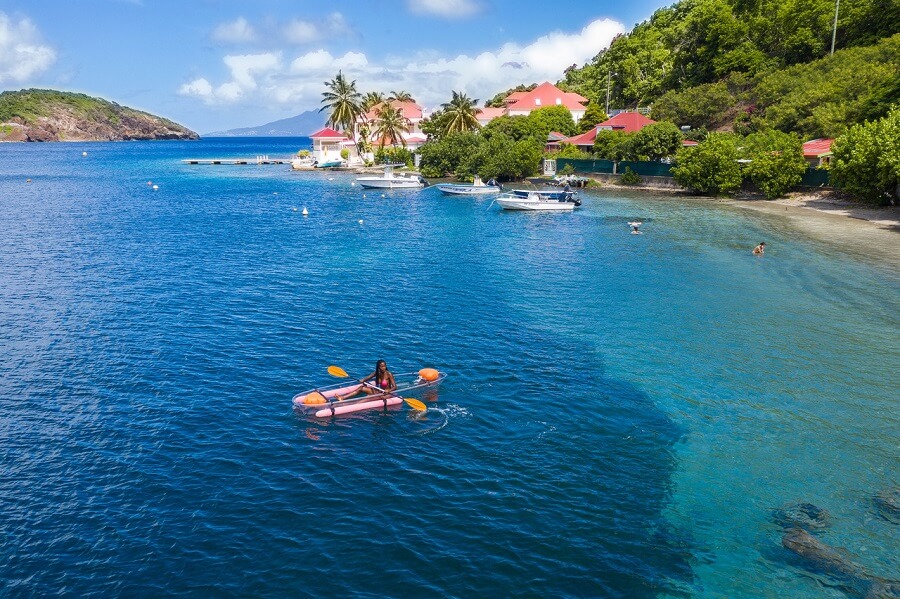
point(302, 125)
point(49, 115)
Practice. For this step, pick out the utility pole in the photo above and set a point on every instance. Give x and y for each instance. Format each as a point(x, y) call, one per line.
point(609, 75)
point(837, 5)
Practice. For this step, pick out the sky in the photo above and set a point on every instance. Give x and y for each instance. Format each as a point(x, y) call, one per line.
point(213, 65)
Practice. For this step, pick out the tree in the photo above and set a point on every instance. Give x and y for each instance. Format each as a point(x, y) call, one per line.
point(551, 118)
point(592, 116)
point(610, 145)
point(400, 96)
point(867, 160)
point(343, 102)
point(371, 100)
point(390, 125)
point(776, 161)
point(711, 167)
point(447, 154)
point(499, 101)
point(460, 114)
point(654, 142)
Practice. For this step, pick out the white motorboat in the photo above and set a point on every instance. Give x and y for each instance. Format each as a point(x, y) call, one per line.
point(477, 188)
point(302, 163)
point(535, 200)
point(392, 180)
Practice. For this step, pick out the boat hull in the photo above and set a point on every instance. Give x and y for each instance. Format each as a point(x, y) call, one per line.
point(537, 205)
point(379, 183)
point(467, 190)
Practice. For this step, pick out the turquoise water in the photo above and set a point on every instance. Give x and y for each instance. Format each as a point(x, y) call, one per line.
point(622, 412)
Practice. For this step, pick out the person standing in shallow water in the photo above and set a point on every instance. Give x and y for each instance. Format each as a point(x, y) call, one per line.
point(760, 249)
point(383, 382)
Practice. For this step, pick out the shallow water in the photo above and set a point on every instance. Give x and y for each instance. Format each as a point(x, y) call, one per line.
point(622, 414)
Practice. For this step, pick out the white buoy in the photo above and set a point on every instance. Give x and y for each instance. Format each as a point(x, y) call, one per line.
point(155, 187)
point(84, 153)
point(294, 209)
point(382, 195)
point(353, 184)
point(305, 211)
point(360, 221)
point(364, 196)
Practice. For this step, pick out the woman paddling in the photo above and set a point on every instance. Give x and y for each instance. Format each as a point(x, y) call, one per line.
point(383, 382)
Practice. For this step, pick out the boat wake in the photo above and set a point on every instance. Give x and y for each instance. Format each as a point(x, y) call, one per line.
point(436, 419)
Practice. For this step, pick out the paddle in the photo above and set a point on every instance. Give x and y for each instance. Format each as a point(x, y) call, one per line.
point(339, 372)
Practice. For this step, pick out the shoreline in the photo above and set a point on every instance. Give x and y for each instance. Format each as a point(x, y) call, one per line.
point(822, 214)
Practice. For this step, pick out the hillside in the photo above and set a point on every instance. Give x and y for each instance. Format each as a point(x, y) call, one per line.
point(48, 115)
point(301, 125)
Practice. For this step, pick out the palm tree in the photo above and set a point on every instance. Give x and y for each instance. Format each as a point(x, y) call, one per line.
point(460, 114)
point(343, 101)
point(372, 99)
point(389, 125)
point(401, 96)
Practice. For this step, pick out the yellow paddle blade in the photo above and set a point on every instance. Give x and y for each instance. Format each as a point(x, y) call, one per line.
point(415, 404)
point(337, 371)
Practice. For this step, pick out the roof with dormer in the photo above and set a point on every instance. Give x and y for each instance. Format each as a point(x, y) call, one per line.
point(546, 94)
point(410, 110)
point(629, 122)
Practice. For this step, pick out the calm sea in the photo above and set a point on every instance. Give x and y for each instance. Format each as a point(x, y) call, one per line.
point(622, 412)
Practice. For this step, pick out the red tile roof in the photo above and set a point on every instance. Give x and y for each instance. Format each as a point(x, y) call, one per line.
point(817, 147)
point(410, 110)
point(489, 113)
point(328, 133)
point(629, 122)
point(585, 139)
point(546, 94)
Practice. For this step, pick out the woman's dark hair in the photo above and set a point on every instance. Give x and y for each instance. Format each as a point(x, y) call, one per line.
point(378, 363)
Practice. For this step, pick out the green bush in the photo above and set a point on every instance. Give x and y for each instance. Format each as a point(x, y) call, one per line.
point(867, 160)
point(629, 177)
point(710, 167)
point(776, 161)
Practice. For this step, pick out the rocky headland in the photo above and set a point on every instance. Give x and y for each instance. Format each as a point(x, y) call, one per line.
point(48, 115)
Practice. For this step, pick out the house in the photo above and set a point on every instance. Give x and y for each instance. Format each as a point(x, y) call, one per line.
point(328, 143)
point(487, 114)
point(411, 111)
point(817, 152)
point(626, 122)
point(545, 94)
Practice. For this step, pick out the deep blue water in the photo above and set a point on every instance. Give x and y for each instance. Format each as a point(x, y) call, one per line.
point(622, 412)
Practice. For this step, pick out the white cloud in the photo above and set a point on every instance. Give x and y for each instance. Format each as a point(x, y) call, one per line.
point(448, 9)
point(238, 31)
point(429, 78)
point(245, 70)
point(305, 32)
point(22, 55)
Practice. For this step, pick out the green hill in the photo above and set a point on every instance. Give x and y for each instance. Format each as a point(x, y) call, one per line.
point(48, 115)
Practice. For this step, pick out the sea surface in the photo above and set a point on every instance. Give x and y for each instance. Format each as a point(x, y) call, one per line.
point(621, 416)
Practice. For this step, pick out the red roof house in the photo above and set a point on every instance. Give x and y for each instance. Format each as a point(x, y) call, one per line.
point(627, 122)
point(818, 151)
point(546, 94)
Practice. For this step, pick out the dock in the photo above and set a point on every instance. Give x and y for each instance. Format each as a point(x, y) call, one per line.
point(238, 161)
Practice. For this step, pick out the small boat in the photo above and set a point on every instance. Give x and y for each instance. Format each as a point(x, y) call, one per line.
point(329, 163)
point(322, 403)
point(303, 163)
point(392, 180)
point(477, 188)
point(558, 201)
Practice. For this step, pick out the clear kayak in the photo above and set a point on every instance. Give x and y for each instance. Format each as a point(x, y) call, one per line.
point(322, 402)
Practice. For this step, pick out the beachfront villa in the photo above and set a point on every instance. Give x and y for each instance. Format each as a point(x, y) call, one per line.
point(411, 111)
point(327, 146)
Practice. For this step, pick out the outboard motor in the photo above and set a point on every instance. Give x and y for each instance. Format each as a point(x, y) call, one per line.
point(424, 182)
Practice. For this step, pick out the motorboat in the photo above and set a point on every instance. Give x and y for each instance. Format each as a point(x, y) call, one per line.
point(477, 188)
point(393, 180)
point(329, 163)
point(303, 163)
point(556, 201)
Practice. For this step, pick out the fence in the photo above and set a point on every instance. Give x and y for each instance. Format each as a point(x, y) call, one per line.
point(813, 177)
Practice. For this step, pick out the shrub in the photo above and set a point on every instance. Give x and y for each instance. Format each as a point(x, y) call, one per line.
point(710, 167)
point(629, 177)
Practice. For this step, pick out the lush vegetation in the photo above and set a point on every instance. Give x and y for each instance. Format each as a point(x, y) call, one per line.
point(867, 159)
point(343, 102)
point(31, 104)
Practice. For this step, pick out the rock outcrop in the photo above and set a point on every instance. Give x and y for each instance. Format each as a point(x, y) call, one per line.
point(47, 115)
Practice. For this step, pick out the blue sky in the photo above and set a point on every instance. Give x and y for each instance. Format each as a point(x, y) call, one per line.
point(221, 64)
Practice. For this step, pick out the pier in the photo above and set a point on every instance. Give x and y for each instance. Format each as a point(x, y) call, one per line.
point(238, 161)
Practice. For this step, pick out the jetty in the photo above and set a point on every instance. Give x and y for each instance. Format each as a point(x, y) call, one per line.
point(238, 161)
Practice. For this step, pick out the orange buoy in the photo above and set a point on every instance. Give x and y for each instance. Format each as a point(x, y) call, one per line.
point(429, 374)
